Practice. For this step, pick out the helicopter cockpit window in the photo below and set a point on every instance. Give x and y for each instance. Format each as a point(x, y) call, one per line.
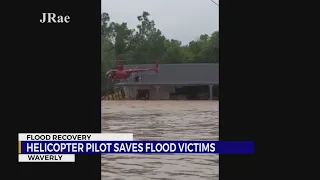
point(110, 73)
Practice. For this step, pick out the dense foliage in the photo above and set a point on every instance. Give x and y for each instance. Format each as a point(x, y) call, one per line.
point(147, 43)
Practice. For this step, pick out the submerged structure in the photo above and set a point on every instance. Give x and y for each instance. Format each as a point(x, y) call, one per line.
point(173, 81)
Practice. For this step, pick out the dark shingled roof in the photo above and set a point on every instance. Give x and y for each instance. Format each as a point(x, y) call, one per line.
point(180, 74)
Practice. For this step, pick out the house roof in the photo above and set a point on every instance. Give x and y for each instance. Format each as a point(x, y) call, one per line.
point(179, 74)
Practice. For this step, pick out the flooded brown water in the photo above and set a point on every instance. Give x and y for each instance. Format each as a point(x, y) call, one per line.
point(161, 120)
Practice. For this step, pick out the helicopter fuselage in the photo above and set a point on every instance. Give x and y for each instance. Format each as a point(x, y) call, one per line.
point(121, 75)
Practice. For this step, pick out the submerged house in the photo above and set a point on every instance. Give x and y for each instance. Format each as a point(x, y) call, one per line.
point(173, 81)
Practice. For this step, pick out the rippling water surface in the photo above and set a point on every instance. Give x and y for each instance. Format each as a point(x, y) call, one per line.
point(161, 120)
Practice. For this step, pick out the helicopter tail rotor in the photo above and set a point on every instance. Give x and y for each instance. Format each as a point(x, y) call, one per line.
point(157, 66)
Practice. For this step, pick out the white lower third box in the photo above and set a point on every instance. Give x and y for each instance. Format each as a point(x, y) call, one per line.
point(46, 158)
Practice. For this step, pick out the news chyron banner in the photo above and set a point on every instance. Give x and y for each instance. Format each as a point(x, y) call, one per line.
point(56, 147)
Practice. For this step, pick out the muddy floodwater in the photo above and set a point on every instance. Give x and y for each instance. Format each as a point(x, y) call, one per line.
point(161, 120)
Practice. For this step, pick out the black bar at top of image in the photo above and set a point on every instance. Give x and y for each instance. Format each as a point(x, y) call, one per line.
point(60, 83)
point(237, 104)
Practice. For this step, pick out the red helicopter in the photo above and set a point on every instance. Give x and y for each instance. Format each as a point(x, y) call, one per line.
point(120, 73)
